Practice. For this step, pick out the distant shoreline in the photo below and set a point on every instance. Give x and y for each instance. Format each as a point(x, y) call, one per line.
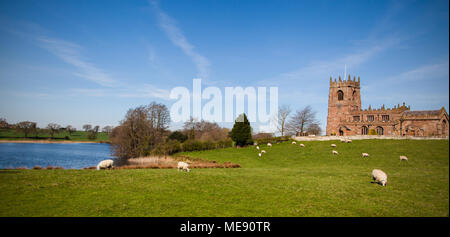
point(47, 141)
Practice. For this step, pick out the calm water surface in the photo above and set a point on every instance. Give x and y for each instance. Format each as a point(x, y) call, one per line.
point(72, 155)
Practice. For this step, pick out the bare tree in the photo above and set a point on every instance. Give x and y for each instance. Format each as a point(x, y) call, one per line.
point(3, 123)
point(208, 131)
point(159, 118)
point(301, 120)
point(283, 114)
point(87, 127)
point(142, 129)
point(189, 127)
point(53, 128)
point(204, 130)
point(70, 129)
point(26, 127)
point(314, 129)
point(262, 135)
point(92, 134)
point(107, 129)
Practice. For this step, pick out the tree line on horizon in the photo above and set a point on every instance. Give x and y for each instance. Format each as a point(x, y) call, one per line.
point(30, 128)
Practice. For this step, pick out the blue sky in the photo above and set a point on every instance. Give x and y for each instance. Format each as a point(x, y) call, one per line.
point(78, 62)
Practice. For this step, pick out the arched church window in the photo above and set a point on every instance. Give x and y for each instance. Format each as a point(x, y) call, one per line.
point(444, 127)
point(340, 95)
point(364, 130)
point(380, 131)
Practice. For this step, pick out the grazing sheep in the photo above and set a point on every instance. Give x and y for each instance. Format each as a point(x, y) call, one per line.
point(183, 165)
point(259, 154)
point(294, 143)
point(343, 140)
point(105, 164)
point(302, 145)
point(269, 144)
point(263, 151)
point(333, 145)
point(257, 147)
point(348, 141)
point(403, 158)
point(335, 152)
point(365, 155)
point(379, 176)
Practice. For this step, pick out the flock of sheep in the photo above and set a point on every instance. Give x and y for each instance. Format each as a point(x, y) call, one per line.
point(378, 176)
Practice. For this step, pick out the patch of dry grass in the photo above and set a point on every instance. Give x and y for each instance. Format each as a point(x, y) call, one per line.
point(168, 162)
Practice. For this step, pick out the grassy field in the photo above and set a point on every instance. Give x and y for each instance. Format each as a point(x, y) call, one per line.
point(11, 134)
point(287, 181)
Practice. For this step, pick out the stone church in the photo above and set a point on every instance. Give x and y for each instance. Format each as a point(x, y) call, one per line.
point(346, 117)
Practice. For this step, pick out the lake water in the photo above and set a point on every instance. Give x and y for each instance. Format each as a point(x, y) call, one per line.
point(72, 155)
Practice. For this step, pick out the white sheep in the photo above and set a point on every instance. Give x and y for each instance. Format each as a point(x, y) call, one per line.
point(269, 144)
point(302, 145)
point(379, 176)
point(335, 152)
point(403, 158)
point(294, 142)
point(365, 155)
point(105, 164)
point(348, 141)
point(183, 165)
point(343, 140)
point(333, 145)
point(257, 147)
point(263, 151)
point(259, 154)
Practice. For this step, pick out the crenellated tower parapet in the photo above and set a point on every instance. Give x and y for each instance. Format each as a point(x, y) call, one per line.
point(345, 83)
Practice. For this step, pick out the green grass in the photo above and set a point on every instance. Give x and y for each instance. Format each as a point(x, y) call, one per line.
point(287, 181)
point(12, 134)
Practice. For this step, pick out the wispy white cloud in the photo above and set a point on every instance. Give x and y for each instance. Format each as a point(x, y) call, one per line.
point(325, 69)
point(425, 86)
point(176, 36)
point(89, 92)
point(70, 53)
point(424, 72)
point(143, 91)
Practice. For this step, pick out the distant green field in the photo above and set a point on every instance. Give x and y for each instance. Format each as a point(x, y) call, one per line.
point(12, 134)
point(287, 181)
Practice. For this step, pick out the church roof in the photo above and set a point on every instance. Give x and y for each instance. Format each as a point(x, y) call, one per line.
point(422, 113)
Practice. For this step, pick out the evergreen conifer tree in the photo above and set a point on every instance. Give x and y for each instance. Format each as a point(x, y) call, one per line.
point(241, 133)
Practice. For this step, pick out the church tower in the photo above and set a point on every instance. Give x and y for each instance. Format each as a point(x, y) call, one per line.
point(344, 97)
